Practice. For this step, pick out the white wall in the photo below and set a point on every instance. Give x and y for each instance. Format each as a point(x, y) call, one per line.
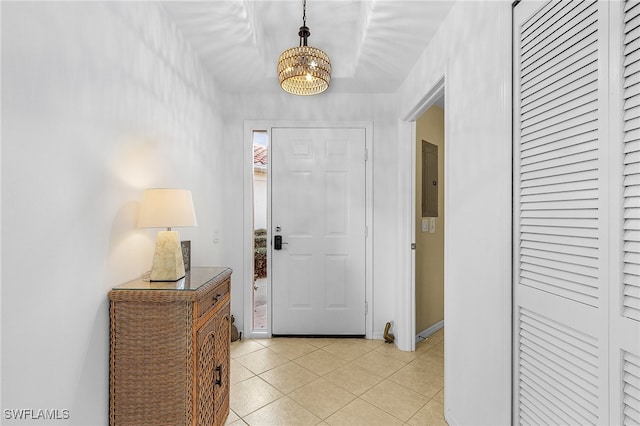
point(472, 51)
point(99, 101)
point(326, 107)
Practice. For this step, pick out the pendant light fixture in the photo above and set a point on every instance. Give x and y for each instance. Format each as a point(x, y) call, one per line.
point(304, 70)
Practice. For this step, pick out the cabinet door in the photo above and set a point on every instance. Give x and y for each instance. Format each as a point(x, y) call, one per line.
point(207, 374)
point(222, 362)
point(213, 368)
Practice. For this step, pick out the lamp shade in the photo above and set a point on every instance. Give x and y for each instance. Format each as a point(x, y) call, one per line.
point(304, 70)
point(166, 208)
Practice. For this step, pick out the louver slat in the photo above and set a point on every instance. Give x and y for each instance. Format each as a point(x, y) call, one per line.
point(563, 65)
point(547, 45)
point(557, 248)
point(542, 182)
point(540, 144)
point(546, 16)
point(631, 165)
point(567, 117)
point(558, 67)
point(564, 138)
point(558, 151)
point(566, 90)
point(558, 372)
point(558, 187)
point(575, 82)
point(569, 168)
point(631, 389)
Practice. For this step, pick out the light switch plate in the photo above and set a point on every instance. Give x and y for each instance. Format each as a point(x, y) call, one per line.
point(432, 225)
point(425, 224)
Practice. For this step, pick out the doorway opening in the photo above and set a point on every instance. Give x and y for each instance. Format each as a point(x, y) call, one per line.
point(412, 212)
point(260, 210)
point(429, 221)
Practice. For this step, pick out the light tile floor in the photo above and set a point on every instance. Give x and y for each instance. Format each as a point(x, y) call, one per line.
point(351, 382)
point(260, 304)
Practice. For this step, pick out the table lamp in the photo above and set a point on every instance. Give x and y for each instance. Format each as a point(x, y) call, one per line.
point(167, 208)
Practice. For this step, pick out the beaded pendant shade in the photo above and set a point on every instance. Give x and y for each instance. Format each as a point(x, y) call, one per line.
point(304, 70)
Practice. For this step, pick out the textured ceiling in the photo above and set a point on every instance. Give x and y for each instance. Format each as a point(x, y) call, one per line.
point(372, 44)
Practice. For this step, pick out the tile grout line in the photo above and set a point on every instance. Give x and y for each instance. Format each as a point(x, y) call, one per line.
point(346, 361)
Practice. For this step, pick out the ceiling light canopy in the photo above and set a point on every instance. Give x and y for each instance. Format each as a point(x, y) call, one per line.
point(304, 70)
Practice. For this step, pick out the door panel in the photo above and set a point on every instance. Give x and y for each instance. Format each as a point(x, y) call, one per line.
point(560, 293)
point(318, 208)
point(576, 210)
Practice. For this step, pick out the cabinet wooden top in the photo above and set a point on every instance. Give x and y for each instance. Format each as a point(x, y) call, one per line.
point(194, 282)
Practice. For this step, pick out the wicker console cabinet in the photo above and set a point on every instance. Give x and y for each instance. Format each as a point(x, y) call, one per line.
point(169, 351)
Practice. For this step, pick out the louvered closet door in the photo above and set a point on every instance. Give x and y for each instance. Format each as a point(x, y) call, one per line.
point(560, 220)
point(625, 289)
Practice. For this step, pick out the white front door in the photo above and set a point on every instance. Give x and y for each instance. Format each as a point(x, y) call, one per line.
point(318, 212)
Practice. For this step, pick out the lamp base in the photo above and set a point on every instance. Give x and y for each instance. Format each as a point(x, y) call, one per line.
point(167, 258)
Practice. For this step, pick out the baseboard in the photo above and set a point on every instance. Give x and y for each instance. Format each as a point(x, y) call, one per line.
point(322, 336)
point(257, 334)
point(448, 417)
point(429, 331)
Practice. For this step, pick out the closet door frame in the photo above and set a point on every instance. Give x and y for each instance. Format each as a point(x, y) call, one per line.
point(624, 333)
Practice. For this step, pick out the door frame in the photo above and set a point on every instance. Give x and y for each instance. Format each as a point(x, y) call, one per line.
point(406, 327)
point(247, 270)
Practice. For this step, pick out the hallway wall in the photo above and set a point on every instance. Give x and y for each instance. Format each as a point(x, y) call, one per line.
point(99, 102)
point(472, 51)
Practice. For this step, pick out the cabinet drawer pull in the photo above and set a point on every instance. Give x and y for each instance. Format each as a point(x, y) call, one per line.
point(217, 297)
point(219, 379)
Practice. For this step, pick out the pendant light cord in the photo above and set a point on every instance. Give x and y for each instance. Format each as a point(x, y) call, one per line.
point(304, 13)
point(304, 30)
